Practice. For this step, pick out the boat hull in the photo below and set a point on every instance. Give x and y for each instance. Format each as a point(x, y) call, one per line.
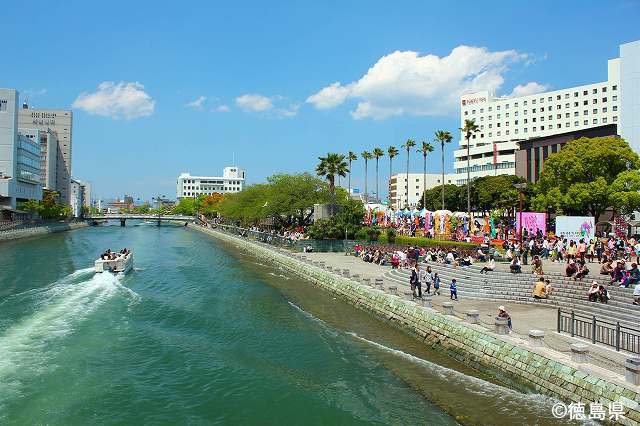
point(122, 264)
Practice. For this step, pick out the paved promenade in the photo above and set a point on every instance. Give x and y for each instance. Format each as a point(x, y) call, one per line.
point(525, 317)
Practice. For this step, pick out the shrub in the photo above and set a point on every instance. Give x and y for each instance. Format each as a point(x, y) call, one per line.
point(391, 235)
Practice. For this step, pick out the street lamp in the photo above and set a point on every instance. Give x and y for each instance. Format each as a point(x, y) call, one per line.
point(520, 187)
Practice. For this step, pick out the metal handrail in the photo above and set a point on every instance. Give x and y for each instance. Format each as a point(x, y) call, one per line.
point(601, 331)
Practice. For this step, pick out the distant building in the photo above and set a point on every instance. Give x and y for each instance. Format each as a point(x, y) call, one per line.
point(80, 196)
point(119, 205)
point(398, 187)
point(60, 123)
point(232, 180)
point(506, 121)
point(163, 202)
point(49, 154)
point(20, 178)
point(532, 153)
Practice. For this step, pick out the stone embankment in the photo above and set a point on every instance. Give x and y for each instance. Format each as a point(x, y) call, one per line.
point(34, 231)
point(528, 364)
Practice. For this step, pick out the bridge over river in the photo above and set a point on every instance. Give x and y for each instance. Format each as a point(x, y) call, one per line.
point(122, 217)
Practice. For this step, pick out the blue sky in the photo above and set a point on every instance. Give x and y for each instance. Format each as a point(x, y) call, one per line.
point(159, 88)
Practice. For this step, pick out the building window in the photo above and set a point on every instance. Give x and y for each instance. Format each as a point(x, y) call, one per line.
point(567, 124)
point(549, 99)
point(533, 110)
point(551, 117)
point(614, 97)
point(615, 107)
point(558, 126)
point(525, 103)
point(615, 87)
point(507, 132)
point(516, 131)
point(585, 92)
point(615, 117)
point(515, 122)
point(498, 134)
point(3, 105)
point(566, 115)
point(576, 124)
point(515, 104)
point(506, 106)
point(604, 109)
point(525, 130)
point(466, 113)
point(473, 111)
point(576, 113)
point(595, 101)
point(498, 116)
point(490, 109)
point(595, 111)
point(604, 89)
point(595, 91)
point(533, 101)
point(498, 107)
point(534, 129)
point(595, 121)
point(541, 127)
point(585, 112)
point(585, 122)
point(585, 102)
point(604, 120)
point(566, 96)
point(481, 110)
point(604, 100)
point(575, 94)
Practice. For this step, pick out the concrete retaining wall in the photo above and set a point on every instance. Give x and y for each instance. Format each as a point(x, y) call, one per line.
point(40, 230)
point(510, 359)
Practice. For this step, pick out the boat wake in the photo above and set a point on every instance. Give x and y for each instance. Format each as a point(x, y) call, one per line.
point(55, 311)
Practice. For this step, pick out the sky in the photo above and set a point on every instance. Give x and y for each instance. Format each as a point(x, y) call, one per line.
point(160, 88)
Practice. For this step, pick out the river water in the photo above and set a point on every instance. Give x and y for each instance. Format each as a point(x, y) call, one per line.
point(199, 334)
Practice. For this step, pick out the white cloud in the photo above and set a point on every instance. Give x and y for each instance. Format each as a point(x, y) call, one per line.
point(197, 103)
point(222, 108)
point(274, 106)
point(406, 83)
point(254, 103)
point(117, 100)
point(530, 88)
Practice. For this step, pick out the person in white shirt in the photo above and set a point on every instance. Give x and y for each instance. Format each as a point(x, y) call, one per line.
point(489, 266)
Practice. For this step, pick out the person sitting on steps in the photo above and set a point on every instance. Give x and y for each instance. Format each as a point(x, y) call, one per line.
point(515, 267)
point(490, 266)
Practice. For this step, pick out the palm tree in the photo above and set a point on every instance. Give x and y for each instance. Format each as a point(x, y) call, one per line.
point(351, 156)
point(366, 156)
point(329, 167)
point(377, 153)
point(426, 148)
point(392, 151)
point(443, 137)
point(470, 127)
point(410, 143)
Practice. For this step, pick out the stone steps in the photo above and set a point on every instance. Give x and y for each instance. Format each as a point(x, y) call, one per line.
point(500, 286)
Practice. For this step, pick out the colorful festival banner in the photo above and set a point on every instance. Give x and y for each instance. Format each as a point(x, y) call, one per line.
point(532, 222)
point(575, 227)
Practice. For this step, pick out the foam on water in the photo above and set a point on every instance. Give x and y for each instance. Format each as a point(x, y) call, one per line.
point(59, 308)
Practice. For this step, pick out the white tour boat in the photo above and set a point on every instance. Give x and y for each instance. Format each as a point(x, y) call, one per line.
point(123, 262)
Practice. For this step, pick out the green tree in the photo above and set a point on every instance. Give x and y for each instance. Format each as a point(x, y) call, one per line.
point(625, 192)
point(579, 179)
point(425, 149)
point(491, 192)
point(392, 151)
point(331, 166)
point(432, 198)
point(377, 153)
point(31, 206)
point(470, 127)
point(186, 206)
point(410, 143)
point(444, 137)
point(366, 156)
point(345, 224)
point(290, 198)
point(351, 157)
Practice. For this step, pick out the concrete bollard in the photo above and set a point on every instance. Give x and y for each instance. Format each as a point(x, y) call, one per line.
point(500, 326)
point(536, 338)
point(447, 308)
point(579, 352)
point(632, 371)
point(393, 289)
point(346, 273)
point(408, 294)
point(473, 316)
point(366, 281)
point(427, 301)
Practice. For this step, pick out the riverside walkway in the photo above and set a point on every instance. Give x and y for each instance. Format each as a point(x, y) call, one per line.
point(526, 315)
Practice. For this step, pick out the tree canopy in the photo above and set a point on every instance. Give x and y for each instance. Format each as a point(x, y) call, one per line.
point(590, 175)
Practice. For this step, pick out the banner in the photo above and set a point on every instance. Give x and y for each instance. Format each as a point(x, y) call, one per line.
point(532, 222)
point(575, 228)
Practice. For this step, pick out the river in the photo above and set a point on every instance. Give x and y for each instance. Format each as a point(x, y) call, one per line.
point(200, 334)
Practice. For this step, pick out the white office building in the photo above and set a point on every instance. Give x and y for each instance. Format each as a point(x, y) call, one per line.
point(398, 187)
point(232, 180)
point(503, 121)
point(20, 178)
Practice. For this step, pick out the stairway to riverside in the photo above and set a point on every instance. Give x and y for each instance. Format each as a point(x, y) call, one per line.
point(504, 286)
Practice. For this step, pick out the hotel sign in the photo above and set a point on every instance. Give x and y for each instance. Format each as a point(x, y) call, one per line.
point(474, 101)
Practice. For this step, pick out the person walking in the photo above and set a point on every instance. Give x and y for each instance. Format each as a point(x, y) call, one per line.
point(414, 281)
point(436, 284)
point(427, 279)
point(454, 289)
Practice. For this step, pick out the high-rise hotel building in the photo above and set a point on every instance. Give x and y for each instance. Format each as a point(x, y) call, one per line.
point(504, 121)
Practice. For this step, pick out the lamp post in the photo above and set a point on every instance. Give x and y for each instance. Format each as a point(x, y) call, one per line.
point(520, 187)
